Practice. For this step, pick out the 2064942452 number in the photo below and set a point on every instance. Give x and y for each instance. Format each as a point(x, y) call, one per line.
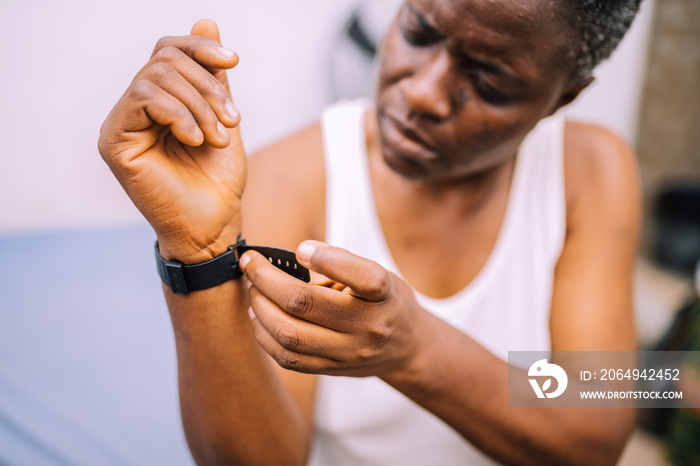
point(636, 374)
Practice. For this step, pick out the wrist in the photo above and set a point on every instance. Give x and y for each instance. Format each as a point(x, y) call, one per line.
point(190, 250)
point(419, 360)
point(183, 278)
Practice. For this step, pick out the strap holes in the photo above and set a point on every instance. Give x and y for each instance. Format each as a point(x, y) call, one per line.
point(279, 261)
point(270, 259)
point(287, 263)
point(295, 266)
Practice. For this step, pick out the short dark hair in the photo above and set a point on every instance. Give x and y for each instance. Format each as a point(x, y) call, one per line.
point(601, 24)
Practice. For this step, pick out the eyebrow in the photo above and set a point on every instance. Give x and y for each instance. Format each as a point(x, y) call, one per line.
point(487, 65)
point(423, 21)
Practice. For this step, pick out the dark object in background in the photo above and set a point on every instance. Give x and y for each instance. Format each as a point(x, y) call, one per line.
point(677, 239)
point(683, 425)
point(679, 428)
point(352, 59)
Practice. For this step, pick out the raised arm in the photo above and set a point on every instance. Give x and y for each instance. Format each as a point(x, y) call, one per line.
point(172, 142)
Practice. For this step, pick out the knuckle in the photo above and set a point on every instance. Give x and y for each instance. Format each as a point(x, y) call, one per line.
point(183, 115)
point(212, 45)
point(168, 53)
point(162, 43)
point(216, 88)
point(159, 70)
point(380, 331)
point(252, 270)
point(365, 354)
point(287, 359)
point(141, 90)
point(299, 300)
point(204, 112)
point(287, 336)
point(377, 281)
point(210, 87)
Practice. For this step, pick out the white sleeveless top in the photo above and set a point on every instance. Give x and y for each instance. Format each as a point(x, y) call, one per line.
point(363, 421)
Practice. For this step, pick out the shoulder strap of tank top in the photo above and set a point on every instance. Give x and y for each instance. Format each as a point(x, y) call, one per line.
point(347, 175)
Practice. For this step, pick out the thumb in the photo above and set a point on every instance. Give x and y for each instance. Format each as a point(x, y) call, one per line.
point(365, 278)
point(208, 28)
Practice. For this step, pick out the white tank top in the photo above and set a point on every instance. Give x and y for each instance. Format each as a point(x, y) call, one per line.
point(363, 421)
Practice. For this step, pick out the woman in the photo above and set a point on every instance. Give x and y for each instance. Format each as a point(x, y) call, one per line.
point(494, 228)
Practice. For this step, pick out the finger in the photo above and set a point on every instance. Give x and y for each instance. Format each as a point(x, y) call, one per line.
point(297, 335)
point(208, 28)
point(168, 78)
point(144, 104)
point(166, 110)
point(204, 50)
point(287, 359)
point(365, 278)
point(309, 363)
point(215, 93)
point(323, 306)
point(321, 280)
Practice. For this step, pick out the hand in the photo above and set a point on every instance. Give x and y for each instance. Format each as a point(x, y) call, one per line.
point(172, 142)
point(371, 327)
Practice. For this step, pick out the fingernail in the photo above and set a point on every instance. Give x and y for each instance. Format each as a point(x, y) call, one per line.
point(221, 129)
point(243, 261)
point(231, 110)
point(251, 314)
point(224, 52)
point(306, 250)
point(248, 283)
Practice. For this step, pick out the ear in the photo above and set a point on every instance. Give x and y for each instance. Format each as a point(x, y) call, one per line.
point(571, 92)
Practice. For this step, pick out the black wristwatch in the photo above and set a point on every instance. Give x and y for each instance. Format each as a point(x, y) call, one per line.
point(183, 278)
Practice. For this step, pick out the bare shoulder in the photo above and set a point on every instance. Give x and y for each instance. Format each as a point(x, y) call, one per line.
point(284, 199)
point(592, 296)
point(601, 174)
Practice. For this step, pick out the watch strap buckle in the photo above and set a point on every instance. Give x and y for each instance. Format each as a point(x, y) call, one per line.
point(176, 278)
point(183, 278)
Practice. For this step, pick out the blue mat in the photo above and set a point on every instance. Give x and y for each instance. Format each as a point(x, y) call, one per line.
point(87, 357)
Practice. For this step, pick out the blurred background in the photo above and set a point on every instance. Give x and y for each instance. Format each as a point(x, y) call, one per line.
point(87, 371)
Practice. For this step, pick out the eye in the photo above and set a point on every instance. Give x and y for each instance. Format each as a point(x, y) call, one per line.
point(490, 91)
point(415, 37)
point(489, 85)
point(493, 84)
point(416, 30)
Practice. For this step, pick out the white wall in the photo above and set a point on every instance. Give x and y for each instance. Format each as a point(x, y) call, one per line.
point(64, 64)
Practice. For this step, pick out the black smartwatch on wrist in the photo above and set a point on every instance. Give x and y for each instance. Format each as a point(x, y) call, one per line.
point(183, 278)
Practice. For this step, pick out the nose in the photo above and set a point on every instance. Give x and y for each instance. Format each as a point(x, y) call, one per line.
point(427, 89)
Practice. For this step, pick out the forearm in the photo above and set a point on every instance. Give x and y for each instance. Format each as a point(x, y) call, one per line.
point(233, 404)
point(465, 385)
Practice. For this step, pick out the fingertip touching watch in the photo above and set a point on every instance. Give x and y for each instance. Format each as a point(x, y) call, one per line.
point(182, 278)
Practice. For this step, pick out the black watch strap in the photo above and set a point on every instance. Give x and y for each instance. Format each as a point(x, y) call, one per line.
point(183, 278)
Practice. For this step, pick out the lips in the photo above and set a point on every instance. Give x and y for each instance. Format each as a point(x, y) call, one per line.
point(406, 139)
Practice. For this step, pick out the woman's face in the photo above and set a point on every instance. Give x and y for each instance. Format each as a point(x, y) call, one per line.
point(461, 82)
